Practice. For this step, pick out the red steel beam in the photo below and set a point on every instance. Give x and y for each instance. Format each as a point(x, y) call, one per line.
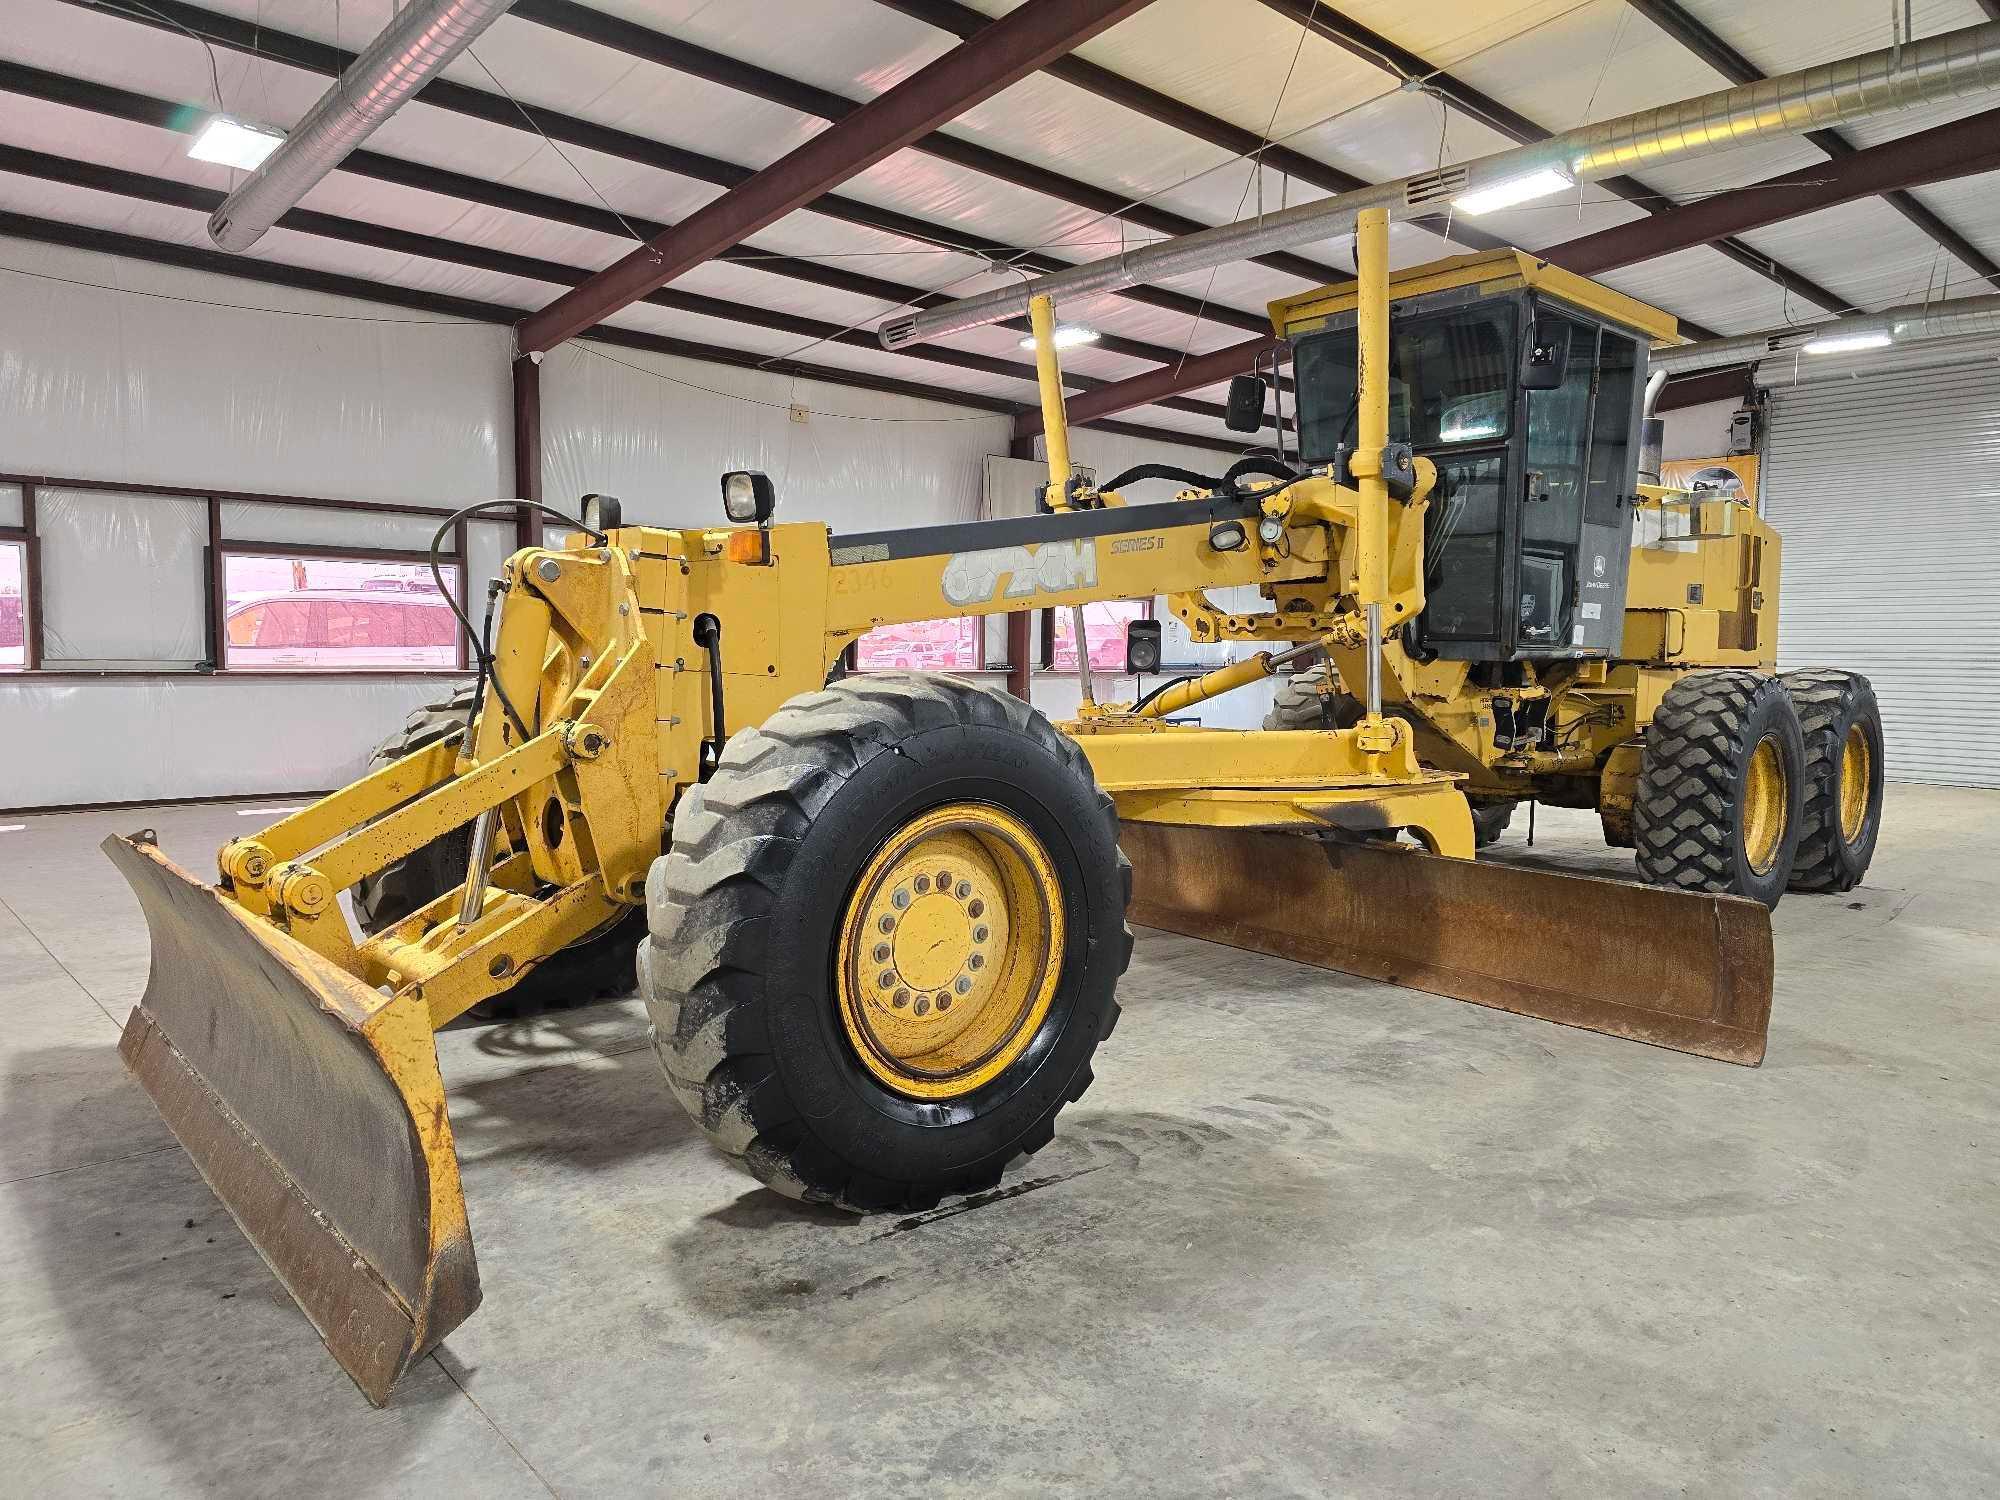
point(527, 450)
point(1963, 148)
point(1019, 44)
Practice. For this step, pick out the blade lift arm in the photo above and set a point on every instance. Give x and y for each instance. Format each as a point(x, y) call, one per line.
point(572, 814)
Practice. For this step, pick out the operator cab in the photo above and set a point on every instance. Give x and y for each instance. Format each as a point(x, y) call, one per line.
point(1523, 384)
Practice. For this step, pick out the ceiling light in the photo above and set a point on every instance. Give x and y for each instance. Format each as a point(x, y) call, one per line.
point(1514, 190)
point(231, 143)
point(1066, 337)
point(1847, 343)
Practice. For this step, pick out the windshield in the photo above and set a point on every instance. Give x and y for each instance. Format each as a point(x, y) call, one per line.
point(1451, 382)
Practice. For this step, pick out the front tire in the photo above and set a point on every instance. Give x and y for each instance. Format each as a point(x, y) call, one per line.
point(1843, 777)
point(1721, 786)
point(895, 841)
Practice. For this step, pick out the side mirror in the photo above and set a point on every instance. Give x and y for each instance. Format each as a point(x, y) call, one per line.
point(1545, 361)
point(1245, 412)
point(1142, 646)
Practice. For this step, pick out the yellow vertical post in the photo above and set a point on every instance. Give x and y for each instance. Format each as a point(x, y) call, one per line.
point(1048, 376)
point(1371, 259)
point(1371, 344)
point(1055, 438)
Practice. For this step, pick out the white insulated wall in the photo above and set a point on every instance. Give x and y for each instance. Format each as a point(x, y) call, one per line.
point(659, 433)
point(182, 378)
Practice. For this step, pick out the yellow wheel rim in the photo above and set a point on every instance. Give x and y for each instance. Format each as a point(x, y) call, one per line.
point(1765, 795)
point(950, 949)
point(1857, 776)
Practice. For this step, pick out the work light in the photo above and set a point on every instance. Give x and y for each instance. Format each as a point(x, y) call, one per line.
point(748, 497)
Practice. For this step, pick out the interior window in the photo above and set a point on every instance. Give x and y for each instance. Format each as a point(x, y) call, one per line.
point(329, 614)
point(1104, 627)
point(921, 646)
point(13, 606)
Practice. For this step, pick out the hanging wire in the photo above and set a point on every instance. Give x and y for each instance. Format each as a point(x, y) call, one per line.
point(588, 346)
point(141, 9)
point(289, 312)
point(1256, 177)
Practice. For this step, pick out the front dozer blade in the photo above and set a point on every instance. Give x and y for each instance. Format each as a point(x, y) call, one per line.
point(1674, 968)
point(312, 1105)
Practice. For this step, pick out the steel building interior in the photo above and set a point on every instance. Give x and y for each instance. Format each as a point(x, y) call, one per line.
point(757, 385)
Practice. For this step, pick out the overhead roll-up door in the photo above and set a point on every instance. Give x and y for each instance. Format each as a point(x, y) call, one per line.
point(1886, 490)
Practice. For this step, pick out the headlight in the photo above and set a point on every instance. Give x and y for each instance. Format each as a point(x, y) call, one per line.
point(1227, 536)
point(748, 497)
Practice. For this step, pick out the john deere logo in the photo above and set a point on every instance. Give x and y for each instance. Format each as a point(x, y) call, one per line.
point(1052, 568)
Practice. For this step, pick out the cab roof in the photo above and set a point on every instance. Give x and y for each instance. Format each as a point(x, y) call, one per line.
point(1492, 272)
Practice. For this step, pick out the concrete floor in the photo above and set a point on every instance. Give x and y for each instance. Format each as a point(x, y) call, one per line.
point(1306, 1235)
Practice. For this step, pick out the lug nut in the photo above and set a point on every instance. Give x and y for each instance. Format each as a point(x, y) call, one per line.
point(923, 1005)
point(964, 987)
point(886, 979)
point(899, 899)
point(922, 883)
point(977, 909)
point(944, 1002)
point(964, 889)
point(980, 934)
point(977, 961)
point(887, 924)
point(900, 999)
point(882, 951)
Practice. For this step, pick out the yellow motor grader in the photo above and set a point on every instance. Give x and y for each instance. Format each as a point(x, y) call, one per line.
point(885, 915)
point(1585, 641)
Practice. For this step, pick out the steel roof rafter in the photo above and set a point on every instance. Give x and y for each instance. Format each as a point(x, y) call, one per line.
point(1963, 147)
point(333, 283)
point(456, 98)
point(1733, 65)
point(899, 116)
point(176, 194)
point(1372, 47)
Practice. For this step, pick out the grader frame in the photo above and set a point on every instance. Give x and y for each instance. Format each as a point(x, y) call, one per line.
point(295, 1061)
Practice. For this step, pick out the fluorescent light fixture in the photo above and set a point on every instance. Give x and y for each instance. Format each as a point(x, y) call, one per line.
point(1514, 190)
point(1847, 343)
point(231, 143)
point(1068, 336)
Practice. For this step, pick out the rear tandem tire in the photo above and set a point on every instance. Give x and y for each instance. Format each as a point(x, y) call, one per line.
point(1300, 703)
point(771, 1017)
point(595, 968)
point(1489, 821)
point(1721, 786)
point(1843, 779)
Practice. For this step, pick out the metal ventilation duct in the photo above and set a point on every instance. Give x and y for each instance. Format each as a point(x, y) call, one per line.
point(1941, 67)
point(412, 49)
point(1914, 322)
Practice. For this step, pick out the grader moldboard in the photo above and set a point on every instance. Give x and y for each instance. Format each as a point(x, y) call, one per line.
point(887, 914)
